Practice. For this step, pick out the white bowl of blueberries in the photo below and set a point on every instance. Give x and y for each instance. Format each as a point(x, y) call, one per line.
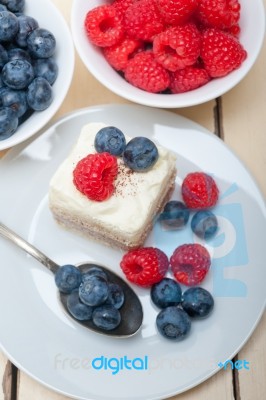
point(36, 64)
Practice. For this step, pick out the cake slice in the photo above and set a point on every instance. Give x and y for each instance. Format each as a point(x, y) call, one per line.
point(123, 220)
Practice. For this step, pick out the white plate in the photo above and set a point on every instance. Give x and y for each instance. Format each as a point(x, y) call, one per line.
point(48, 17)
point(45, 343)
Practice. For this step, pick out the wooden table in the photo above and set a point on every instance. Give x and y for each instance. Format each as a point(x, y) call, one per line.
point(238, 118)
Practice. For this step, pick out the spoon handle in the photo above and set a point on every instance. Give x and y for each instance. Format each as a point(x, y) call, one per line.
point(26, 246)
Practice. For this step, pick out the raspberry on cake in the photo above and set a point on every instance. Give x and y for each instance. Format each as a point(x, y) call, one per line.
point(124, 217)
point(94, 176)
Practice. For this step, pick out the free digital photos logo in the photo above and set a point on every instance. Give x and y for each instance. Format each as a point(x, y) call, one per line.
point(238, 364)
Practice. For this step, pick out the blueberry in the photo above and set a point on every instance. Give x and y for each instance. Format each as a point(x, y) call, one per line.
point(94, 291)
point(17, 74)
point(67, 278)
point(110, 139)
point(204, 224)
point(140, 154)
point(3, 56)
point(96, 271)
point(18, 54)
point(116, 295)
point(41, 43)
point(25, 116)
point(46, 68)
point(14, 5)
point(26, 25)
point(8, 123)
point(197, 302)
point(14, 99)
point(106, 317)
point(3, 7)
point(166, 293)
point(39, 94)
point(175, 215)
point(8, 26)
point(79, 310)
point(173, 323)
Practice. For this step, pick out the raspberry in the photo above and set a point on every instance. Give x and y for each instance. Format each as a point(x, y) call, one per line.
point(221, 52)
point(119, 54)
point(187, 79)
point(122, 5)
point(144, 72)
point(104, 26)
point(145, 266)
point(234, 30)
point(220, 14)
point(143, 21)
point(177, 47)
point(199, 190)
point(94, 176)
point(190, 263)
point(176, 11)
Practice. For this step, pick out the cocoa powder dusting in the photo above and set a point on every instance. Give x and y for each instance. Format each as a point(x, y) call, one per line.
point(125, 180)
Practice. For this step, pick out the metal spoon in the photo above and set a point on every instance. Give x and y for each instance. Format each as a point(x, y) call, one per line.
point(131, 311)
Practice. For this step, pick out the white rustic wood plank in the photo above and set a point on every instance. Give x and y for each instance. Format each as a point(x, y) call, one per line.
point(246, 134)
point(203, 114)
point(252, 382)
point(29, 389)
point(218, 387)
point(6, 378)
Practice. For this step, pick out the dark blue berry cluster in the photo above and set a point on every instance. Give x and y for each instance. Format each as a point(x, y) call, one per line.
point(27, 66)
point(176, 215)
point(179, 309)
point(91, 296)
point(139, 154)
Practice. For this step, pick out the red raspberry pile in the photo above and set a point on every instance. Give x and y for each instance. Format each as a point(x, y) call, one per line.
point(170, 46)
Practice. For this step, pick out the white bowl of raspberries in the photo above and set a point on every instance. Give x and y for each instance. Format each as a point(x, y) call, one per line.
point(168, 53)
point(36, 67)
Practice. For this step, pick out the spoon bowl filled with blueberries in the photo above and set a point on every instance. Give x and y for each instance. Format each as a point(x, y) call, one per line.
point(93, 295)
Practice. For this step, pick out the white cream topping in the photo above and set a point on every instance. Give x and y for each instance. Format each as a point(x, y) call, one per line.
point(135, 193)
